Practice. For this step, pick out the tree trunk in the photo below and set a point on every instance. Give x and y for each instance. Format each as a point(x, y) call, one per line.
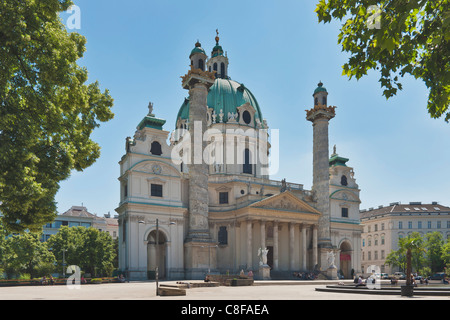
point(408, 267)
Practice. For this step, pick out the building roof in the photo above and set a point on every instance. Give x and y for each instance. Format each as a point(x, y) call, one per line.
point(396, 208)
point(78, 211)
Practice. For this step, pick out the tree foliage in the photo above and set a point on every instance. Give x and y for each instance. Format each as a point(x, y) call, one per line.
point(397, 38)
point(25, 253)
point(90, 249)
point(47, 111)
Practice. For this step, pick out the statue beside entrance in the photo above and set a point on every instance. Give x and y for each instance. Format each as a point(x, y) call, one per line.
point(264, 269)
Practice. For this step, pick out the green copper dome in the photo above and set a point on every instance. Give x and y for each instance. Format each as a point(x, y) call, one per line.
point(225, 95)
point(198, 49)
point(320, 88)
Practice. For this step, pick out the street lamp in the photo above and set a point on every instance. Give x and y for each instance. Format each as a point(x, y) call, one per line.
point(64, 262)
point(157, 252)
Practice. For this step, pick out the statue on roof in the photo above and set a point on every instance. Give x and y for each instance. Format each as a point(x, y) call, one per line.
point(150, 108)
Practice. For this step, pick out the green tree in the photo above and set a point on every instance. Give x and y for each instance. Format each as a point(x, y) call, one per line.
point(25, 253)
point(399, 258)
point(445, 256)
point(434, 243)
point(47, 111)
point(397, 38)
point(409, 245)
point(88, 248)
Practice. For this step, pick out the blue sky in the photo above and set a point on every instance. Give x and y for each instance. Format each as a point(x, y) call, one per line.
point(138, 49)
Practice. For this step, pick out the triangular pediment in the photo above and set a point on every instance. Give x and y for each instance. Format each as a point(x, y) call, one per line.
point(285, 201)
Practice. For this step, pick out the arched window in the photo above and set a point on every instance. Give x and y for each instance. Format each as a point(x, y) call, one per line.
point(156, 148)
point(324, 101)
point(247, 168)
point(316, 101)
point(215, 66)
point(222, 70)
point(200, 64)
point(344, 180)
point(223, 236)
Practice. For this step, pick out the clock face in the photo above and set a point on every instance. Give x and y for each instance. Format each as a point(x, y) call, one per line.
point(156, 169)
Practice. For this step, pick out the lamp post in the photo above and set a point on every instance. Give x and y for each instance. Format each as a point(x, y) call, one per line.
point(64, 263)
point(157, 252)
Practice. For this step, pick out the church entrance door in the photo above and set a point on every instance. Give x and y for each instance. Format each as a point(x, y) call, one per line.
point(156, 255)
point(346, 259)
point(270, 257)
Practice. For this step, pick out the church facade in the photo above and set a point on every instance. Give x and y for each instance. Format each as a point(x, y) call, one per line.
point(200, 199)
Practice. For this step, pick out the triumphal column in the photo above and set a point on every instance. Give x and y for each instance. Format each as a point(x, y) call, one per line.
point(320, 116)
point(199, 249)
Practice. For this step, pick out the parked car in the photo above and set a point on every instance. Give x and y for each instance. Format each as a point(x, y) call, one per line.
point(399, 275)
point(438, 276)
point(384, 276)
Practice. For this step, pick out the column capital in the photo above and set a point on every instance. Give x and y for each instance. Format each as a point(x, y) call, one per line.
point(196, 76)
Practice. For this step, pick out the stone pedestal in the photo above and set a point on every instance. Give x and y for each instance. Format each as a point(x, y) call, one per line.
point(332, 273)
point(264, 272)
point(199, 259)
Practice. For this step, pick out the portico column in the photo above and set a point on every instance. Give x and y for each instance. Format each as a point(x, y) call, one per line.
point(314, 246)
point(291, 246)
point(263, 234)
point(303, 247)
point(249, 244)
point(275, 245)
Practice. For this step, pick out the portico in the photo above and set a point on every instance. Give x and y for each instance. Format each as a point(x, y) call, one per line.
point(284, 224)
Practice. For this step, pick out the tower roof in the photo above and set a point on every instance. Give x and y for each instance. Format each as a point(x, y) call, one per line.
point(217, 50)
point(320, 88)
point(197, 49)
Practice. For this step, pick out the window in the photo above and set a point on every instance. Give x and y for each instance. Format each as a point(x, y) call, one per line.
point(64, 223)
point(344, 212)
point(409, 224)
point(382, 240)
point(215, 66)
point(400, 225)
point(419, 225)
point(438, 226)
point(246, 117)
point(376, 227)
point(344, 180)
point(382, 255)
point(364, 242)
point(382, 226)
point(222, 70)
point(156, 190)
point(223, 236)
point(247, 166)
point(448, 224)
point(324, 101)
point(223, 197)
point(429, 224)
point(200, 64)
point(156, 148)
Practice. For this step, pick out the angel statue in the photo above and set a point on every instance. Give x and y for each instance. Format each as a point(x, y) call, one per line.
point(331, 257)
point(262, 254)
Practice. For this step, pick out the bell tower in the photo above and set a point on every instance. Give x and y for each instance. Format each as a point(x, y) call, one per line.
point(218, 61)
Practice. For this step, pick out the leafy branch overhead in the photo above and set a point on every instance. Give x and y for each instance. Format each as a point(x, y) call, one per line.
point(396, 38)
point(47, 111)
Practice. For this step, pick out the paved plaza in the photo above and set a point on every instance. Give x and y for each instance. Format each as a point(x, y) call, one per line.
point(264, 290)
